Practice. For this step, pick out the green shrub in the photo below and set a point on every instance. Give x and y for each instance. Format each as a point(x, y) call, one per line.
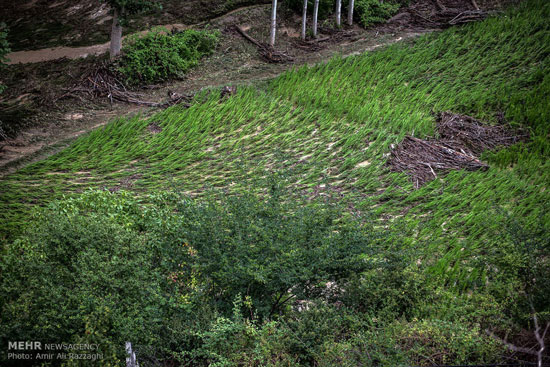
point(372, 12)
point(159, 55)
point(428, 342)
point(372, 346)
point(393, 290)
point(271, 251)
point(239, 341)
point(101, 268)
point(85, 274)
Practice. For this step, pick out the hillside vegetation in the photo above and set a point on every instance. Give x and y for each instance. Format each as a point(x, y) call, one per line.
point(266, 228)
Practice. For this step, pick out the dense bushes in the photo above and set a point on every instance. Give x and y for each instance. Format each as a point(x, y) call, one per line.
point(371, 12)
point(159, 55)
point(223, 281)
point(85, 276)
point(101, 268)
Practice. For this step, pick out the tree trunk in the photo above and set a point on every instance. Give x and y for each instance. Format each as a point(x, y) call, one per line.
point(338, 13)
point(315, 15)
point(304, 21)
point(273, 23)
point(350, 12)
point(116, 36)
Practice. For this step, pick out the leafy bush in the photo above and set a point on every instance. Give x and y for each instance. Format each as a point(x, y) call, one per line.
point(159, 55)
point(429, 342)
point(83, 275)
point(372, 12)
point(239, 341)
point(270, 251)
point(101, 268)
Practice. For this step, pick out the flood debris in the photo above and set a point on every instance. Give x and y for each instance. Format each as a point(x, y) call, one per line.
point(439, 14)
point(154, 128)
point(266, 51)
point(334, 36)
point(102, 81)
point(461, 140)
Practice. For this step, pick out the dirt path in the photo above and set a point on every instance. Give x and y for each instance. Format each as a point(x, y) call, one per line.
point(49, 54)
point(235, 63)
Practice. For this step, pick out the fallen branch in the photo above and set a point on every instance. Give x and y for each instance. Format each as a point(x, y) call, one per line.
point(468, 16)
point(267, 52)
point(540, 337)
point(445, 17)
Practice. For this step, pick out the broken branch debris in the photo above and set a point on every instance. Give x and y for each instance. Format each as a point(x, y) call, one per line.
point(267, 52)
point(461, 140)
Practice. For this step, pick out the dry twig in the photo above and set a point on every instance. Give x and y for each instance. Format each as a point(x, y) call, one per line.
point(267, 52)
point(102, 81)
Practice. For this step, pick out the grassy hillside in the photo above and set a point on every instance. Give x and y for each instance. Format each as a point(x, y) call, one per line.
point(333, 124)
point(327, 130)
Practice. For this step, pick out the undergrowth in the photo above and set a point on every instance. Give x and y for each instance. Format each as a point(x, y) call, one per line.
point(376, 11)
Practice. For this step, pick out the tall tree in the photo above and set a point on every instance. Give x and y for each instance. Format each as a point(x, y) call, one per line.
point(315, 16)
point(304, 21)
point(338, 13)
point(350, 12)
point(273, 23)
point(121, 10)
point(116, 33)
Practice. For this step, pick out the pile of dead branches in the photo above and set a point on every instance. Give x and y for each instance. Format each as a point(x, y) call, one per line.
point(320, 43)
point(311, 45)
point(449, 17)
point(474, 137)
point(266, 52)
point(461, 140)
point(103, 81)
point(337, 35)
point(439, 14)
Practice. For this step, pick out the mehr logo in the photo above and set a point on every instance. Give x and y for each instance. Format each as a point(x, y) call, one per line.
point(28, 345)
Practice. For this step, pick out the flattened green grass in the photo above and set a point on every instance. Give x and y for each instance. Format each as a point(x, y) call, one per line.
point(330, 127)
